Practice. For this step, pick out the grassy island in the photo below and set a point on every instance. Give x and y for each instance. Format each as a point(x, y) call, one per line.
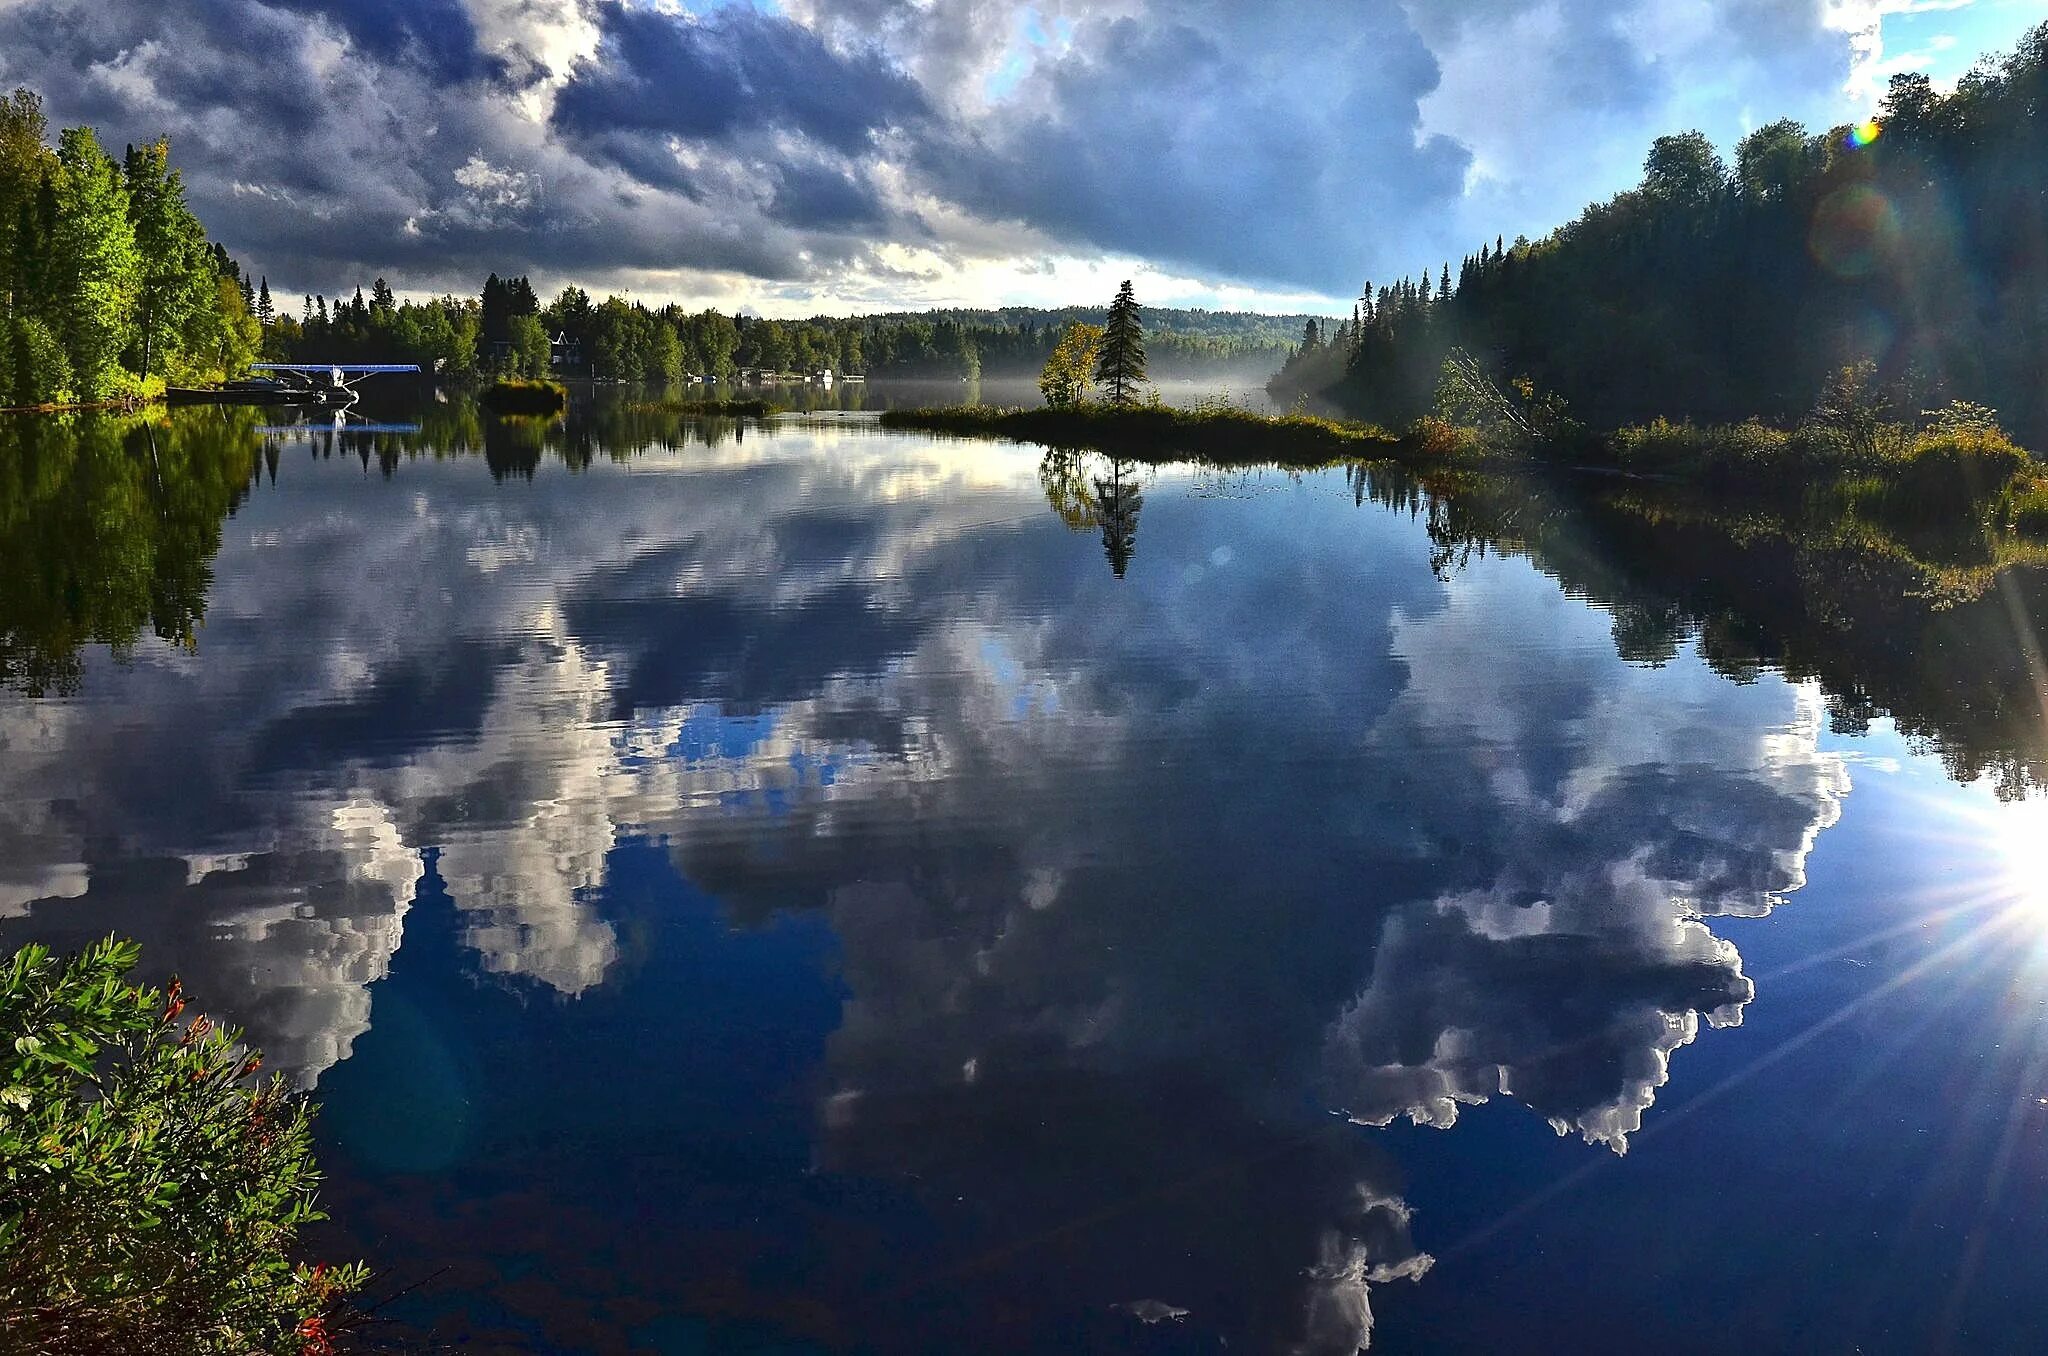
point(1161, 433)
point(720, 409)
point(525, 395)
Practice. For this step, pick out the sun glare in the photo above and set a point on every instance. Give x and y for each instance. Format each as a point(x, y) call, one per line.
point(2022, 838)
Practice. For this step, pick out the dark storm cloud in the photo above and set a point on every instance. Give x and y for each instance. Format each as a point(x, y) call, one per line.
point(1298, 143)
point(739, 71)
point(436, 34)
point(1280, 144)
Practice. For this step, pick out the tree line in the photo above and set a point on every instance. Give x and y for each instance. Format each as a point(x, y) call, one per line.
point(509, 331)
point(109, 287)
point(1914, 241)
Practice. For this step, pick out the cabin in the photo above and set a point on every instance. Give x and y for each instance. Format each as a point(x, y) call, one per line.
point(565, 354)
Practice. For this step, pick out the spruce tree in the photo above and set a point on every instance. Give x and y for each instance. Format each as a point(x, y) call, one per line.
point(266, 310)
point(24, 167)
point(1121, 368)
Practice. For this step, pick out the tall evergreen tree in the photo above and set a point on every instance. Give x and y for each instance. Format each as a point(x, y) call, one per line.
point(24, 169)
point(1121, 368)
point(266, 310)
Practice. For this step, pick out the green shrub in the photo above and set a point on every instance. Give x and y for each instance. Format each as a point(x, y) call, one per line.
point(151, 1189)
point(729, 409)
point(1944, 473)
point(2027, 512)
point(33, 368)
point(520, 395)
point(1157, 432)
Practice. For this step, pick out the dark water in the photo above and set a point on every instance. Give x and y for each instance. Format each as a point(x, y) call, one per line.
point(813, 890)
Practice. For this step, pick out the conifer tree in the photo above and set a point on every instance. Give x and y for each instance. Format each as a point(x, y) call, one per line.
point(266, 310)
point(1121, 368)
point(24, 169)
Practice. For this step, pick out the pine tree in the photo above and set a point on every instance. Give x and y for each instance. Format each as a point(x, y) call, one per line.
point(1121, 368)
point(266, 312)
point(98, 273)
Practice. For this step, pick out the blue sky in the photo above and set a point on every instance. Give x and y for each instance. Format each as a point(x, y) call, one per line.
point(810, 155)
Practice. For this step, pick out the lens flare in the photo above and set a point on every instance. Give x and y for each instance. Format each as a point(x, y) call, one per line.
point(1855, 230)
point(1865, 133)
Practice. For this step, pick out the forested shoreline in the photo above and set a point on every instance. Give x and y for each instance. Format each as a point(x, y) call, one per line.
point(1917, 242)
point(109, 288)
point(508, 330)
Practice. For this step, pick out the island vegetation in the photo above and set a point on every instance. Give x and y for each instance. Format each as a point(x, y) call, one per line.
point(152, 1184)
point(526, 395)
point(716, 409)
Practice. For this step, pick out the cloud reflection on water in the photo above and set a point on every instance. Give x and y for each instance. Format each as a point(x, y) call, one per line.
point(1275, 824)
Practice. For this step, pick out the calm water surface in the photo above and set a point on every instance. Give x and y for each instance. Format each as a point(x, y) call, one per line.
point(816, 890)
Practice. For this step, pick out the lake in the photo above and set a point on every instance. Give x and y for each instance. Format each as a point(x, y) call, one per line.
point(800, 888)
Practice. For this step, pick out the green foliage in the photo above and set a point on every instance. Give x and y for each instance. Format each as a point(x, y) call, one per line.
point(526, 395)
point(176, 279)
point(1517, 421)
point(1120, 360)
point(1946, 474)
point(1713, 296)
point(98, 267)
point(25, 167)
point(1684, 170)
point(112, 263)
point(151, 1188)
point(33, 367)
point(1855, 411)
point(727, 409)
point(531, 354)
point(1069, 371)
point(1214, 433)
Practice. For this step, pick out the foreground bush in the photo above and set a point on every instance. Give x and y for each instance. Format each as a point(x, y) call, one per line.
point(151, 1189)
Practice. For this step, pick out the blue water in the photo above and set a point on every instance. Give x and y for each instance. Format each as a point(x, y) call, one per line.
point(811, 893)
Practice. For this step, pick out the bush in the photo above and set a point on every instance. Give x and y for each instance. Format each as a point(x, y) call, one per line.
point(518, 395)
point(151, 1190)
point(2027, 513)
point(1952, 472)
point(33, 368)
point(728, 409)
